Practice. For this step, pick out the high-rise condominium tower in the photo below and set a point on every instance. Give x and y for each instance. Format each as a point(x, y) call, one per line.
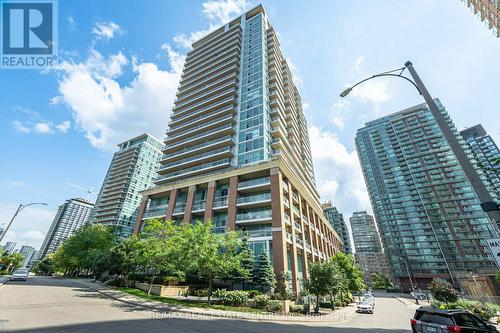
point(70, 216)
point(336, 219)
point(487, 155)
point(368, 248)
point(487, 11)
point(237, 149)
point(132, 170)
point(428, 215)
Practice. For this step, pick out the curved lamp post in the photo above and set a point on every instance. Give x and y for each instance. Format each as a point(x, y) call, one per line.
point(19, 209)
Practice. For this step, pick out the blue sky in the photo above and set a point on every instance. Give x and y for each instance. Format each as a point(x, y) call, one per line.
point(120, 66)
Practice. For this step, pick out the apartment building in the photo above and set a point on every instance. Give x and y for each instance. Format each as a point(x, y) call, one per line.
point(336, 219)
point(237, 149)
point(70, 216)
point(133, 169)
point(488, 12)
point(428, 215)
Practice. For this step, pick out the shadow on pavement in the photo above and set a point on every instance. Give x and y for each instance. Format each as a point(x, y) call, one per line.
point(162, 323)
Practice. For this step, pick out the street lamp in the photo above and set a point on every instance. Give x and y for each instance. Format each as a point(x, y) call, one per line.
point(19, 209)
point(488, 205)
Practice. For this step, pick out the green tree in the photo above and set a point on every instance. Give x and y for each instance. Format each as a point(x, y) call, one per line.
point(381, 281)
point(244, 273)
point(497, 276)
point(282, 284)
point(44, 266)
point(12, 261)
point(79, 253)
point(443, 291)
point(263, 273)
point(211, 255)
point(157, 249)
point(322, 280)
point(352, 280)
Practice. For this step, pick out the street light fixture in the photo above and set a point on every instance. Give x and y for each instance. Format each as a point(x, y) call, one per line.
point(19, 209)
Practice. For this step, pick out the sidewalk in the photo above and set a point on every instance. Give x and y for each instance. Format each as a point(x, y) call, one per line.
point(165, 310)
point(411, 302)
point(4, 279)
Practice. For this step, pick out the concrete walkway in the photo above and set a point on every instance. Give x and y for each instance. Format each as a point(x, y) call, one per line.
point(163, 309)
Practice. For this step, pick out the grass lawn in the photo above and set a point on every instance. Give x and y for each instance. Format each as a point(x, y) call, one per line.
point(188, 303)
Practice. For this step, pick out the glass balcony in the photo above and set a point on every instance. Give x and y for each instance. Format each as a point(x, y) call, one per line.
point(285, 186)
point(254, 198)
point(196, 147)
point(194, 169)
point(287, 219)
point(298, 241)
point(212, 131)
point(191, 129)
point(199, 205)
point(220, 201)
point(308, 247)
point(254, 215)
point(261, 232)
point(295, 196)
point(296, 210)
point(198, 111)
point(179, 208)
point(286, 202)
point(195, 157)
point(288, 236)
point(297, 226)
point(254, 182)
point(155, 212)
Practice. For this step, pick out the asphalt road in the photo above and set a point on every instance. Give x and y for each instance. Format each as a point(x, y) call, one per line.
point(59, 305)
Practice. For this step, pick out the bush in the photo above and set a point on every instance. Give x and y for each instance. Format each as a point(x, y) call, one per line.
point(483, 310)
point(261, 301)
point(233, 298)
point(169, 280)
point(274, 306)
point(253, 293)
point(201, 292)
point(296, 308)
point(443, 291)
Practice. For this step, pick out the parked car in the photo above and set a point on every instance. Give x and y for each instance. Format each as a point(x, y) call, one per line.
point(369, 298)
point(365, 307)
point(19, 274)
point(419, 295)
point(432, 320)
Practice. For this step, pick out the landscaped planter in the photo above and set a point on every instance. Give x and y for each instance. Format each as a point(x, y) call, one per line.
point(161, 290)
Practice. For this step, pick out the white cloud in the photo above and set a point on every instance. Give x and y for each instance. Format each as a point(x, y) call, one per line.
point(338, 172)
point(338, 113)
point(71, 22)
point(222, 11)
point(357, 64)
point(64, 126)
point(30, 225)
point(15, 183)
point(43, 128)
point(374, 91)
point(108, 112)
point(106, 30)
point(20, 127)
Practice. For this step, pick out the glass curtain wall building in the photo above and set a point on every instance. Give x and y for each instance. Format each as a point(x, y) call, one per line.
point(428, 215)
point(132, 170)
point(336, 219)
point(237, 149)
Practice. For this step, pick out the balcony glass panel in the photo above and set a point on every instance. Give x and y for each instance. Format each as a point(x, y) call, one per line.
point(254, 182)
point(255, 198)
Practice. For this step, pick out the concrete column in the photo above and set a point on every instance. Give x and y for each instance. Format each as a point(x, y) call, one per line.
point(311, 232)
point(305, 265)
point(189, 204)
point(280, 261)
point(231, 202)
point(171, 203)
point(142, 209)
point(209, 204)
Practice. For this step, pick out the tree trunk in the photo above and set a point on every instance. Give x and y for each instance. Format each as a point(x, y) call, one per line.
point(209, 288)
point(332, 301)
point(316, 309)
point(151, 284)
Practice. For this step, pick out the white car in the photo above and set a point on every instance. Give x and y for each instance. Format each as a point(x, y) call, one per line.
point(365, 307)
point(19, 274)
point(370, 299)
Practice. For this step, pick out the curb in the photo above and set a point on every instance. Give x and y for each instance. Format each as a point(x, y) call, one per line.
point(230, 315)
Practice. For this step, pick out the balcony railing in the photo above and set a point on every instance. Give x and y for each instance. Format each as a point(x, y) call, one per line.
point(257, 215)
point(179, 208)
point(288, 236)
point(295, 196)
point(220, 201)
point(254, 182)
point(297, 226)
point(194, 169)
point(195, 157)
point(196, 147)
point(286, 202)
point(199, 205)
point(157, 211)
point(298, 241)
point(191, 129)
point(265, 232)
point(296, 210)
point(255, 198)
point(285, 186)
point(287, 219)
point(200, 135)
